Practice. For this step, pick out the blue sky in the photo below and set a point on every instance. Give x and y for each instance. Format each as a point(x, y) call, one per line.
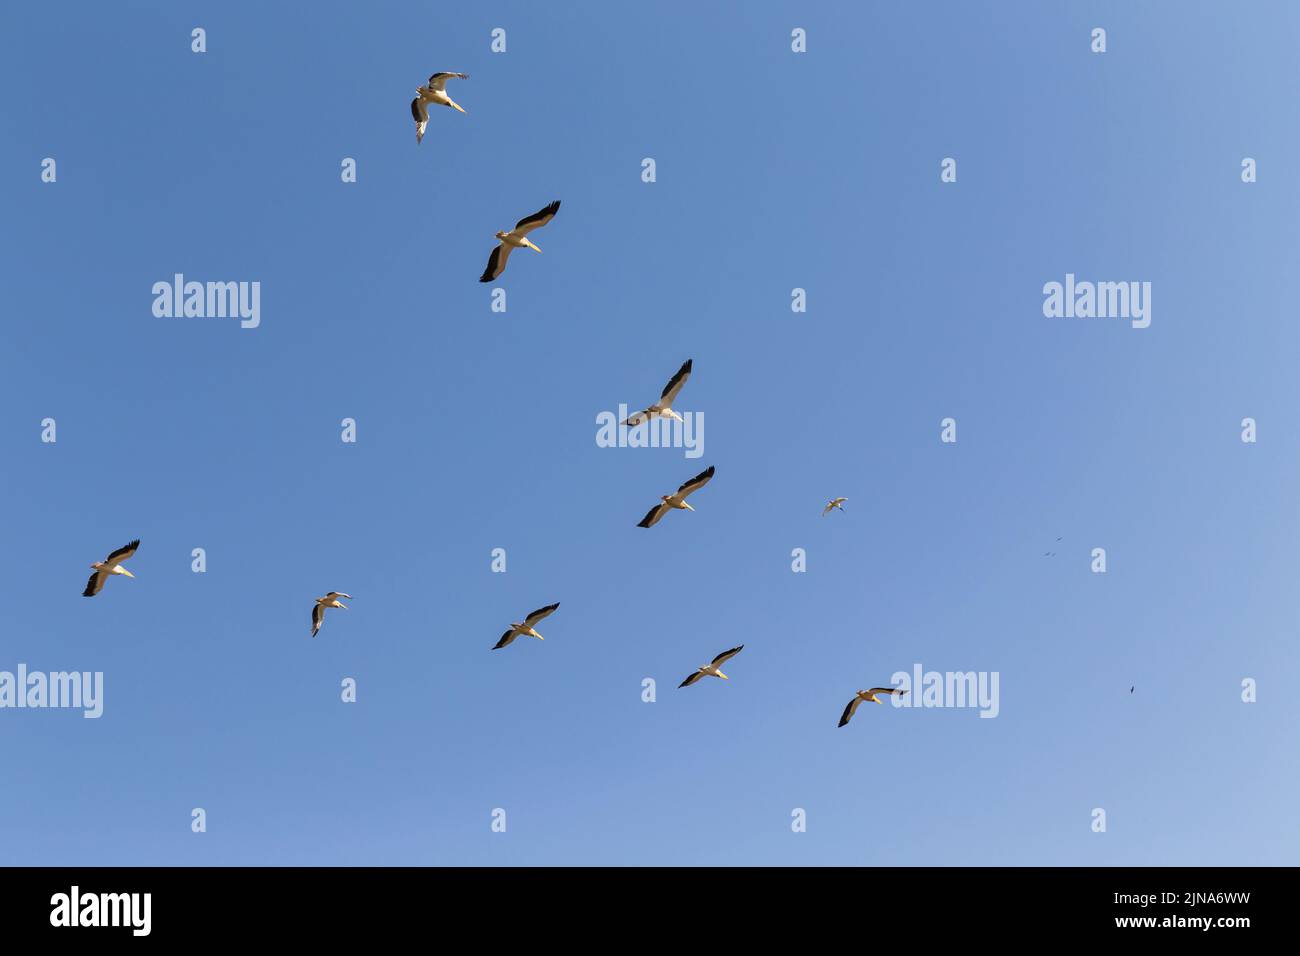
point(476, 430)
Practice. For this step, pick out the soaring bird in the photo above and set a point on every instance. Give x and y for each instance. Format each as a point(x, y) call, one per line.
point(527, 626)
point(867, 695)
point(110, 565)
point(318, 612)
point(433, 93)
point(515, 238)
point(676, 500)
point(711, 669)
point(664, 407)
point(833, 504)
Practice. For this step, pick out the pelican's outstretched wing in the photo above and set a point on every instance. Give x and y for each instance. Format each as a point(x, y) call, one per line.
point(496, 262)
point(696, 483)
point(538, 219)
point(420, 113)
point(95, 584)
point(850, 709)
point(886, 690)
point(540, 613)
point(690, 680)
point(317, 618)
point(506, 638)
point(653, 515)
point(123, 554)
point(675, 384)
point(727, 655)
point(438, 81)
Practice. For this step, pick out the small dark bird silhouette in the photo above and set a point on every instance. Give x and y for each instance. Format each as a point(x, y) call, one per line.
point(1130, 690)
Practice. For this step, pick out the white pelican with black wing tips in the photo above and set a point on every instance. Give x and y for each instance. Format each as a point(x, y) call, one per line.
point(318, 612)
point(436, 94)
point(711, 669)
point(109, 566)
point(526, 627)
point(676, 500)
point(664, 407)
point(835, 504)
point(516, 237)
point(870, 695)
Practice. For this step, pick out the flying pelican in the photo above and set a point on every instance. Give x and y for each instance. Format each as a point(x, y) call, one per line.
point(867, 695)
point(676, 500)
point(318, 612)
point(433, 93)
point(711, 669)
point(527, 626)
point(833, 504)
point(515, 238)
point(664, 407)
point(110, 565)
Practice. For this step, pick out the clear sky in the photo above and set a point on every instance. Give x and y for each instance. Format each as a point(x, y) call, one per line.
point(477, 430)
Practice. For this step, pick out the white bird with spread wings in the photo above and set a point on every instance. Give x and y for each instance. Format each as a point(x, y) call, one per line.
point(526, 626)
point(435, 92)
point(677, 500)
point(108, 567)
point(870, 695)
point(318, 612)
point(664, 407)
point(711, 669)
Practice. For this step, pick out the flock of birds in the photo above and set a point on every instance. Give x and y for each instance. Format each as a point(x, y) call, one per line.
point(434, 93)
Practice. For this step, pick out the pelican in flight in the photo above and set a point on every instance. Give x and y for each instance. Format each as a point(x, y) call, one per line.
point(832, 505)
point(664, 407)
point(527, 626)
point(318, 612)
point(515, 238)
point(436, 94)
point(676, 500)
point(711, 669)
point(109, 566)
point(862, 695)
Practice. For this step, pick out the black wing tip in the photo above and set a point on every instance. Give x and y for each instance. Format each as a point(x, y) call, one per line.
point(705, 475)
point(490, 273)
point(686, 366)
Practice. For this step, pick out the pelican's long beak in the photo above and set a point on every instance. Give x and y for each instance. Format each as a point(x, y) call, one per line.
point(878, 701)
point(454, 105)
point(531, 245)
point(723, 676)
point(127, 573)
point(343, 606)
point(687, 505)
point(539, 637)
